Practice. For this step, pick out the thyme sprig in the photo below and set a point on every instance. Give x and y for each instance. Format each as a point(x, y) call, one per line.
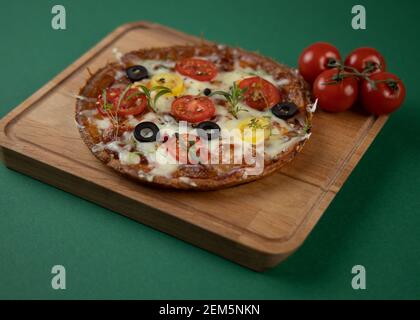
point(108, 108)
point(233, 97)
point(255, 123)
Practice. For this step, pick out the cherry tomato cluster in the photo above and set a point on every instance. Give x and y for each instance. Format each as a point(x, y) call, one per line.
point(362, 77)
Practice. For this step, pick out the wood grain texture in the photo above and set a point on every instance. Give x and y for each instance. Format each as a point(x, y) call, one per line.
point(257, 225)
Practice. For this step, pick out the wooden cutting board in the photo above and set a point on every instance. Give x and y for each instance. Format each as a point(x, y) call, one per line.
point(257, 225)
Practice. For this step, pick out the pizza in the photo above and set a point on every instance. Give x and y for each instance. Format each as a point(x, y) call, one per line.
point(199, 117)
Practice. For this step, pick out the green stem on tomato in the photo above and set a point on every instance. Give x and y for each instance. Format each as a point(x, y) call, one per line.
point(342, 73)
point(392, 83)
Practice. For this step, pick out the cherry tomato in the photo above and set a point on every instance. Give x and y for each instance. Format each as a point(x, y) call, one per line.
point(363, 59)
point(260, 94)
point(193, 109)
point(187, 147)
point(388, 95)
point(315, 59)
point(198, 69)
point(334, 92)
point(134, 102)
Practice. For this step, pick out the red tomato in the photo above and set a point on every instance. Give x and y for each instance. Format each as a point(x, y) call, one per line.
point(134, 102)
point(335, 93)
point(364, 58)
point(388, 95)
point(187, 147)
point(198, 69)
point(315, 58)
point(193, 109)
point(260, 93)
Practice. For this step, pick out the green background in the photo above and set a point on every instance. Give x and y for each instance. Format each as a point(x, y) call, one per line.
point(374, 220)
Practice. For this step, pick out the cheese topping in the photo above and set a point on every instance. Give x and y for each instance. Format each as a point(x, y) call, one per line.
point(278, 135)
point(103, 124)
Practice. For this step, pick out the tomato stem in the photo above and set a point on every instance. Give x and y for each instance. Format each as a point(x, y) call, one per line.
point(340, 76)
point(353, 72)
point(392, 83)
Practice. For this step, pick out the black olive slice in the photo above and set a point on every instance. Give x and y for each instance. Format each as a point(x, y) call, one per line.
point(285, 110)
point(207, 92)
point(146, 132)
point(137, 73)
point(208, 130)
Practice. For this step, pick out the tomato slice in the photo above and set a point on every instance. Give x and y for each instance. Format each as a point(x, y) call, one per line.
point(258, 134)
point(169, 80)
point(187, 148)
point(260, 93)
point(198, 69)
point(132, 103)
point(193, 109)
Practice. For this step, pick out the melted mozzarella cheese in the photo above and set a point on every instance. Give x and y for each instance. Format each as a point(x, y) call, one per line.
point(116, 147)
point(165, 170)
point(188, 181)
point(129, 158)
point(132, 121)
point(147, 149)
point(273, 146)
point(195, 87)
point(163, 105)
point(150, 116)
point(103, 124)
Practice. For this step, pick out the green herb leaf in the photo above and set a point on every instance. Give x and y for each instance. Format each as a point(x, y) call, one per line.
point(307, 128)
point(105, 105)
point(161, 93)
point(121, 98)
point(148, 93)
point(255, 123)
point(131, 96)
point(145, 90)
point(221, 93)
point(233, 97)
point(157, 88)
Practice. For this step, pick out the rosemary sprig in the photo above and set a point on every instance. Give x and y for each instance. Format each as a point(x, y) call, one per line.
point(233, 97)
point(148, 93)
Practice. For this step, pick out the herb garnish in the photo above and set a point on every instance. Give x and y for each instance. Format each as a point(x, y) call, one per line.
point(122, 95)
point(108, 108)
point(233, 97)
point(307, 128)
point(255, 123)
point(148, 93)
